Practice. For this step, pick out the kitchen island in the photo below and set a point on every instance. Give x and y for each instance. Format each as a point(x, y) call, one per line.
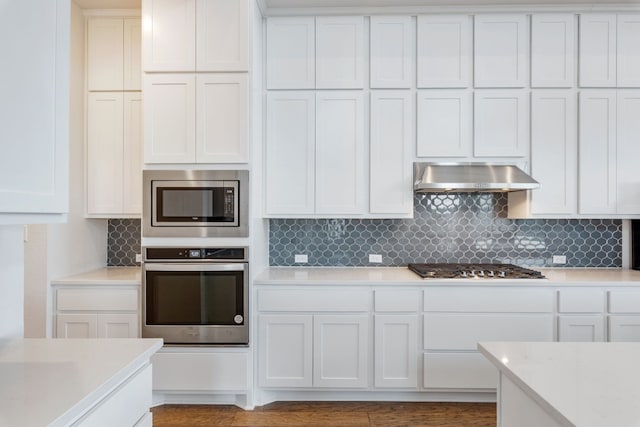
point(89, 382)
point(566, 384)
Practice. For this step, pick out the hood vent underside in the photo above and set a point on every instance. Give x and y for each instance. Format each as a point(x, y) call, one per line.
point(470, 177)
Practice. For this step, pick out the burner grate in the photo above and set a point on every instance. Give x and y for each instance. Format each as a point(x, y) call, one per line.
point(469, 271)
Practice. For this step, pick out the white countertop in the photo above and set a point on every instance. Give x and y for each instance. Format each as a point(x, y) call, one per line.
point(403, 276)
point(584, 384)
point(49, 382)
point(103, 276)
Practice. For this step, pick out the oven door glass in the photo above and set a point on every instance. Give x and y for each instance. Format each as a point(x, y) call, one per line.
point(194, 297)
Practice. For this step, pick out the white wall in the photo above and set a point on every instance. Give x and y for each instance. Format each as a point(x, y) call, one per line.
point(11, 279)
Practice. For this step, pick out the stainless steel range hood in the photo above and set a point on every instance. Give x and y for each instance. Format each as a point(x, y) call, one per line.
point(470, 177)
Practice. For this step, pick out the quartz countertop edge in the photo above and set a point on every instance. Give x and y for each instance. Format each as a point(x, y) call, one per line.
point(103, 276)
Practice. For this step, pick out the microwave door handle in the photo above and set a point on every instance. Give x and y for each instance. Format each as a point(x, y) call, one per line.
point(195, 267)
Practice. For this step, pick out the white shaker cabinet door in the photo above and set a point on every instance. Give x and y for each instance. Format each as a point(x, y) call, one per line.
point(221, 118)
point(444, 51)
point(390, 158)
point(391, 52)
point(500, 50)
point(291, 50)
point(169, 118)
point(624, 328)
point(445, 123)
point(554, 151)
point(105, 54)
point(597, 152)
point(76, 326)
point(340, 172)
point(501, 123)
point(290, 153)
point(169, 35)
point(118, 325)
point(104, 152)
point(339, 52)
point(132, 154)
point(396, 351)
point(628, 50)
point(221, 35)
point(553, 39)
point(597, 50)
point(584, 328)
point(132, 61)
point(628, 151)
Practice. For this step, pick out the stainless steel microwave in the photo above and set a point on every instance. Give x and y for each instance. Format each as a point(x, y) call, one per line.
point(195, 203)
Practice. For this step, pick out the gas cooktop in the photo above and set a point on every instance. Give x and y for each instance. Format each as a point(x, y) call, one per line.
point(473, 271)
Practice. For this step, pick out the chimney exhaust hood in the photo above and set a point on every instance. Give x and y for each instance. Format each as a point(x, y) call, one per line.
point(470, 177)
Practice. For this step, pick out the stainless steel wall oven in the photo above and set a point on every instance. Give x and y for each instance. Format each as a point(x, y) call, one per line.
point(195, 295)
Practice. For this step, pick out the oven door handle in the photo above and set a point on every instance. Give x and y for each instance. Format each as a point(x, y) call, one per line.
point(195, 267)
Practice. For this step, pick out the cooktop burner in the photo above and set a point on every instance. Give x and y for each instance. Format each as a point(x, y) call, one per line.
point(472, 271)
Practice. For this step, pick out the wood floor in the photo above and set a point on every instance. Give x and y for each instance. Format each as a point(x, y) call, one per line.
point(324, 414)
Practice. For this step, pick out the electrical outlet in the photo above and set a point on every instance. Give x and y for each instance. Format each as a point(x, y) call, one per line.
point(375, 258)
point(559, 259)
point(301, 259)
point(138, 258)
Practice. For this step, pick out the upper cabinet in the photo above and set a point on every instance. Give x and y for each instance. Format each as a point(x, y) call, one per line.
point(445, 123)
point(609, 50)
point(195, 35)
point(501, 123)
point(391, 52)
point(553, 40)
point(34, 111)
point(444, 51)
point(500, 50)
point(339, 52)
point(291, 61)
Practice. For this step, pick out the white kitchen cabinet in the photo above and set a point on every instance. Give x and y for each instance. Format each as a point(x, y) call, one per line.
point(444, 51)
point(389, 153)
point(132, 52)
point(597, 50)
point(290, 153)
point(221, 118)
point(170, 118)
point(290, 59)
point(624, 328)
point(222, 35)
point(391, 52)
point(396, 350)
point(501, 123)
point(445, 123)
point(339, 52)
point(583, 328)
point(500, 50)
point(76, 326)
point(553, 41)
point(581, 315)
point(451, 370)
point(627, 151)
point(114, 154)
point(340, 148)
point(628, 50)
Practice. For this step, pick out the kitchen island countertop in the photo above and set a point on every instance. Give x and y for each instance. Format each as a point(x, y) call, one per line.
point(103, 276)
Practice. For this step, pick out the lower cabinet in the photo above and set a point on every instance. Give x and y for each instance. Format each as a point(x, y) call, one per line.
point(396, 351)
point(624, 315)
point(97, 326)
point(585, 328)
point(624, 328)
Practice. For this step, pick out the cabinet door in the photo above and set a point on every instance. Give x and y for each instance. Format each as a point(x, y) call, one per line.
point(444, 51)
point(501, 123)
point(118, 326)
point(624, 328)
point(553, 39)
point(339, 52)
point(581, 328)
point(450, 370)
point(132, 54)
point(396, 351)
point(340, 180)
point(132, 154)
point(291, 49)
point(105, 54)
point(554, 151)
point(76, 326)
point(169, 118)
point(391, 52)
point(285, 351)
point(222, 35)
point(444, 123)
point(390, 158)
point(597, 50)
point(628, 152)
point(340, 351)
point(104, 152)
point(597, 152)
point(290, 153)
point(500, 50)
point(221, 117)
point(628, 50)
point(170, 36)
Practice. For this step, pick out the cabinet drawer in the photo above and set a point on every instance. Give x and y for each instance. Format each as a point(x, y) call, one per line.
point(483, 300)
point(396, 301)
point(463, 331)
point(624, 302)
point(312, 300)
point(97, 299)
point(580, 301)
point(459, 370)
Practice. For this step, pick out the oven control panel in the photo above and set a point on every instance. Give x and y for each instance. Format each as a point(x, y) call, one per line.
point(195, 254)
